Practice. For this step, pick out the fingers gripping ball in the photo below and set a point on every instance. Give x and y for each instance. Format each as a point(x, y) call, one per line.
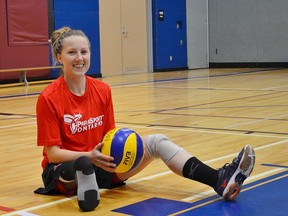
point(125, 146)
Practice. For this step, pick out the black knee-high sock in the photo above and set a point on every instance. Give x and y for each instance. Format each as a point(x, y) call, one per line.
point(87, 189)
point(196, 170)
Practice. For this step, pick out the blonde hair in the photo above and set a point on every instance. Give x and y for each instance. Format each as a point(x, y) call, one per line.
point(59, 35)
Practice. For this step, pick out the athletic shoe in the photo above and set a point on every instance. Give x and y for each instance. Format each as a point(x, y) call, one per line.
point(231, 176)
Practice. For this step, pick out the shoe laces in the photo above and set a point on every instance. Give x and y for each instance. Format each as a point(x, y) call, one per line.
point(231, 166)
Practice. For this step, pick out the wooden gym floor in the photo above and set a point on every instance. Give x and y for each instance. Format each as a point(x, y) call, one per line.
point(212, 113)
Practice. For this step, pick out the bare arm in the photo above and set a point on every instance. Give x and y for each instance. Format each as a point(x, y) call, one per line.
point(58, 155)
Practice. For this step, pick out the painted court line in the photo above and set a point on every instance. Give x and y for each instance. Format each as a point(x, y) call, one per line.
point(209, 131)
point(257, 121)
point(170, 129)
point(16, 125)
point(211, 198)
point(250, 179)
point(149, 82)
point(20, 212)
point(276, 87)
point(25, 211)
point(213, 160)
point(6, 209)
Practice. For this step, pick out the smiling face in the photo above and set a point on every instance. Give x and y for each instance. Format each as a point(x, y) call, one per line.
point(75, 55)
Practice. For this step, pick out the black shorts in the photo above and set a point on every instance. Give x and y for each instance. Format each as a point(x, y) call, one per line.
point(50, 177)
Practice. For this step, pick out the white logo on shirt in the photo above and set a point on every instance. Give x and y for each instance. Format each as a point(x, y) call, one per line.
point(78, 126)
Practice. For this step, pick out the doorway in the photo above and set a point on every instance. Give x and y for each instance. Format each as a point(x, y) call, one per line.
point(123, 36)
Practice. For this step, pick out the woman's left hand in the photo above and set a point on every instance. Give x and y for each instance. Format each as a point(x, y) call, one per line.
point(100, 160)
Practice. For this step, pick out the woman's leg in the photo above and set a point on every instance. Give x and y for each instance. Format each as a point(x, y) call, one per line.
point(227, 181)
point(79, 175)
point(87, 188)
point(159, 146)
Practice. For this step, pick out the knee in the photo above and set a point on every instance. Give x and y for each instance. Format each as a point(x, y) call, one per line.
point(160, 146)
point(83, 164)
point(151, 144)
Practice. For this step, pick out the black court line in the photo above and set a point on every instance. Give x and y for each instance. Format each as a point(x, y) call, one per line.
point(210, 76)
point(240, 107)
point(162, 111)
point(164, 80)
point(6, 114)
point(19, 95)
point(17, 114)
point(222, 116)
point(204, 128)
point(220, 89)
point(217, 102)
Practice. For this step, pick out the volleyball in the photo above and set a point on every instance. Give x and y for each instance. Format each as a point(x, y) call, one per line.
point(125, 146)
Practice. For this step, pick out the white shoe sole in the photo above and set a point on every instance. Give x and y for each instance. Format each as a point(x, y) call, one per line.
point(245, 167)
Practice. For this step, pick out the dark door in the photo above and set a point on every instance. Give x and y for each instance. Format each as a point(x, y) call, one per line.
point(169, 35)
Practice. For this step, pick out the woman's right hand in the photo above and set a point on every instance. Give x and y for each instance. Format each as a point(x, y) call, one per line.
point(100, 160)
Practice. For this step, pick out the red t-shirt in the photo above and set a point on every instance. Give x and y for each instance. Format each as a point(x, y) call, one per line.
point(73, 122)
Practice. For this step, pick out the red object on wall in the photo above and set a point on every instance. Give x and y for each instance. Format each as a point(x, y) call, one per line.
point(23, 37)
